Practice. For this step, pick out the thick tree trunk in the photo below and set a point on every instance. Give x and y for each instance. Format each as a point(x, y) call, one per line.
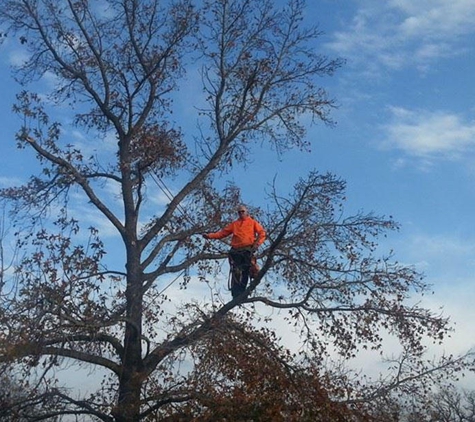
point(128, 405)
point(130, 382)
point(131, 379)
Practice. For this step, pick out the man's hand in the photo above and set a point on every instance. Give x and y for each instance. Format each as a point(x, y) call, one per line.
point(254, 247)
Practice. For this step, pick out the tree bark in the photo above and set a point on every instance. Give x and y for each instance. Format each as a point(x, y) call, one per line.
point(131, 378)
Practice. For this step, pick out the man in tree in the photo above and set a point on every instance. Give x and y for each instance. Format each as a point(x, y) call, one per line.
point(247, 236)
point(95, 253)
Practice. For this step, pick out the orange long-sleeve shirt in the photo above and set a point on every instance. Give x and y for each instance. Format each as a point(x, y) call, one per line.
point(246, 232)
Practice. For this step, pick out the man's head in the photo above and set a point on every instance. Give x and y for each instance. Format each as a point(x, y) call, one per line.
point(242, 212)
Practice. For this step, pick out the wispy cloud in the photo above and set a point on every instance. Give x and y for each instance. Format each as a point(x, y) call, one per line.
point(398, 33)
point(430, 135)
point(448, 261)
point(6, 182)
point(18, 58)
point(445, 259)
point(11, 54)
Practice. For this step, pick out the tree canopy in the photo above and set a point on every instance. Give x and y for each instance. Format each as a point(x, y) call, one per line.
point(95, 252)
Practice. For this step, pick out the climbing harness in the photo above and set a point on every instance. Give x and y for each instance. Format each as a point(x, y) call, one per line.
point(235, 274)
point(235, 270)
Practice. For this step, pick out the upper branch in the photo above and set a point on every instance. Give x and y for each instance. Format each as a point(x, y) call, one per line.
point(81, 180)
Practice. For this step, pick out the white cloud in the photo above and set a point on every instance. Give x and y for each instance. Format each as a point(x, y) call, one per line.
point(440, 256)
point(6, 182)
point(18, 58)
point(435, 18)
point(401, 33)
point(439, 246)
point(11, 54)
point(429, 135)
point(448, 262)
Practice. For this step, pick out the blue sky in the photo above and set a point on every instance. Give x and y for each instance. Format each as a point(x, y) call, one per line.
point(405, 135)
point(404, 139)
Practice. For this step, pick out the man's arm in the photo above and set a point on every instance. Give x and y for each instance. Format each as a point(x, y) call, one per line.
point(221, 233)
point(261, 234)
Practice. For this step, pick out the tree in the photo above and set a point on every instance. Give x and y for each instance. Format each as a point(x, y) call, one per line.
point(446, 403)
point(80, 296)
point(242, 374)
point(451, 405)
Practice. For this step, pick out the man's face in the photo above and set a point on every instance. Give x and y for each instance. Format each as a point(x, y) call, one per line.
point(242, 212)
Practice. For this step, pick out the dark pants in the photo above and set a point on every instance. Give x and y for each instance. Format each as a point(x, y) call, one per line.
point(241, 258)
